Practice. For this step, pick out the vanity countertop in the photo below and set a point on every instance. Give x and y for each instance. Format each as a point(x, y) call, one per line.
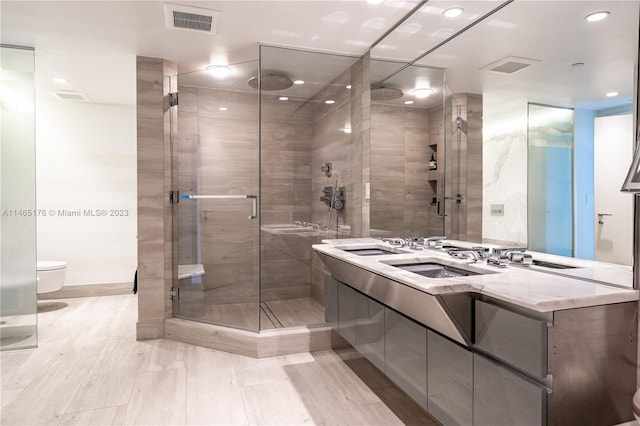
point(588, 283)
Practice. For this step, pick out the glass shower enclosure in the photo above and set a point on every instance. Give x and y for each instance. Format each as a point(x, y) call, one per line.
point(247, 154)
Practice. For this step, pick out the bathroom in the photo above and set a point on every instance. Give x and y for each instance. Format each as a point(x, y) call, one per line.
point(285, 180)
point(286, 174)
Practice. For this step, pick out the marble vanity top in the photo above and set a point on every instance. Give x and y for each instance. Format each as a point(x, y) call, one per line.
point(587, 284)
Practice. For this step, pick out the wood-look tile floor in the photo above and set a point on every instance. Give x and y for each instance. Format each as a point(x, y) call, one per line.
point(90, 370)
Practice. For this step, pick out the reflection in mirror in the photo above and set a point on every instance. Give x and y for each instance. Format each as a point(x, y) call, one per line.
point(531, 53)
point(406, 147)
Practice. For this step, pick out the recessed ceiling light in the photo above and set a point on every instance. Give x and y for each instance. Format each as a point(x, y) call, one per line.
point(422, 92)
point(347, 129)
point(348, 86)
point(329, 101)
point(218, 71)
point(298, 81)
point(375, 1)
point(283, 98)
point(612, 94)
point(222, 108)
point(454, 12)
point(597, 16)
point(408, 102)
point(60, 80)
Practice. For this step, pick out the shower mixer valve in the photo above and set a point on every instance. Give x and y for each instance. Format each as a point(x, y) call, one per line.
point(335, 200)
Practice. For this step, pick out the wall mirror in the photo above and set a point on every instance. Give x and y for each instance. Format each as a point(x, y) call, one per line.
point(540, 115)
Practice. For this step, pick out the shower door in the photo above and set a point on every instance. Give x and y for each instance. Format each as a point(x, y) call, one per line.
point(215, 156)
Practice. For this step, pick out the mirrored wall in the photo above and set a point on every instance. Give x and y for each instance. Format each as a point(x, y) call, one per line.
point(500, 58)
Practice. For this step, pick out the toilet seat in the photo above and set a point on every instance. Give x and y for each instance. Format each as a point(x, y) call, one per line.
point(50, 265)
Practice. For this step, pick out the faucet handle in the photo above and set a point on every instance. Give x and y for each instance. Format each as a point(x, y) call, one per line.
point(520, 257)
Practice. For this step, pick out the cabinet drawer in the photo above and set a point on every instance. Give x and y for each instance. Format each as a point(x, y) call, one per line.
point(503, 398)
point(516, 339)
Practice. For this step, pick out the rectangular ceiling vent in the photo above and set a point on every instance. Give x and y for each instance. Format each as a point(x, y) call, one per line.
point(70, 95)
point(190, 18)
point(510, 65)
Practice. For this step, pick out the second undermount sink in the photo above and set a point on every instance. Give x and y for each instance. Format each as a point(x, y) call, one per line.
point(435, 270)
point(552, 265)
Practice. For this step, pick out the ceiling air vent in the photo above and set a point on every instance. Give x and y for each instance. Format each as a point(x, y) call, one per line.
point(70, 95)
point(509, 65)
point(191, 18)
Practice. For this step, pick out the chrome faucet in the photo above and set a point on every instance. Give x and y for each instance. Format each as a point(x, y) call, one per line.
point(435, 242)
point(464, 254)
point(498, 257)
point(519, 256)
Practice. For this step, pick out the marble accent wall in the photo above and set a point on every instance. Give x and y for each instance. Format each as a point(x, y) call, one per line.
point(504, 175)
point(154, 178)
point(464, 168)
point(400, 190)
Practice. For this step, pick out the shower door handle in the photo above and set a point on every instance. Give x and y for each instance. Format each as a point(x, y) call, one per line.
point(253, 198)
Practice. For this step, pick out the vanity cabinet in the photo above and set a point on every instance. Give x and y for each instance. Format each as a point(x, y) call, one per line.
point(406, 355)
point(347, 299)
point(359, 320)
point(449, 381)
point(370, 330)
point(331, 301)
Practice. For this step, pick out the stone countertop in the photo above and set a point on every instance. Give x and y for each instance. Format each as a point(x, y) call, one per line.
point(529, 287)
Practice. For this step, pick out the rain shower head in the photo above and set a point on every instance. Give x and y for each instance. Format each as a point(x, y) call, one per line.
point(386, 94)
point(271, 82)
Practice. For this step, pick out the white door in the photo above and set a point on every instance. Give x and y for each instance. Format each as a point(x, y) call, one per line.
point(613, 151)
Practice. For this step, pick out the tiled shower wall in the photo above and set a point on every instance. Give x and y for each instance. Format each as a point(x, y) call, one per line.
point(286, 135)
point(154, 181)
point(400, 153)
point(464, 168)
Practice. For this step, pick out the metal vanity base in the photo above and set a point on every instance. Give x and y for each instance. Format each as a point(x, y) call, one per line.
point(470, 360)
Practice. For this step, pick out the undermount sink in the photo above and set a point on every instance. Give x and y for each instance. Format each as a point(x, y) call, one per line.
point(552, 265)
point(370, 251)
point(435, 270)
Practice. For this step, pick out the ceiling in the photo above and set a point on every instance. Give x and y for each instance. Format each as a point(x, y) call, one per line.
point(93, 44)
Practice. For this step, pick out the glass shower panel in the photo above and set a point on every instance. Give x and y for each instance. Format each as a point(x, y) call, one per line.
point(215, 157)
point(18, 307)
point(309, 176)
point(550, 180)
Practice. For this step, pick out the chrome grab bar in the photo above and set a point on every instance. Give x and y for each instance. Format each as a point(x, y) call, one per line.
point(254, 200)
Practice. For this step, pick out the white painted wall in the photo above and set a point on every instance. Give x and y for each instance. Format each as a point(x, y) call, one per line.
point(86, 164)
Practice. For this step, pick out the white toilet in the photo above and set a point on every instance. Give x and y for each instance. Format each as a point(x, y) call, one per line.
point(51, 274)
